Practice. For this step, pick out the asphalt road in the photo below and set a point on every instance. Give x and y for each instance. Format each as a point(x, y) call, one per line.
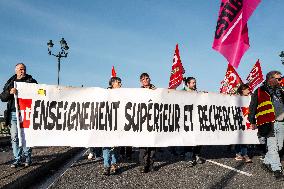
point(220, 171)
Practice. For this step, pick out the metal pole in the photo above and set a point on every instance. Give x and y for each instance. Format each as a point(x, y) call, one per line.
point(58, 70)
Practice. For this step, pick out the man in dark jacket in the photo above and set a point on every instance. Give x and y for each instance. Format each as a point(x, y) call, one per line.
point(11, 119)
point(266, 113)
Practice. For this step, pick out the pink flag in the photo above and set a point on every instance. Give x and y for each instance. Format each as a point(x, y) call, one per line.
point(231, 35)
point(177, 71)
point(255, 76)
point(231, 82)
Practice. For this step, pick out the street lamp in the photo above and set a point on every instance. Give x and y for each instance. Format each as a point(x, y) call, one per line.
point(61, 54)
point(282, 57)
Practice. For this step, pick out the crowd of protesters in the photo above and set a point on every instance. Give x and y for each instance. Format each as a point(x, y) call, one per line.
point(266, 113)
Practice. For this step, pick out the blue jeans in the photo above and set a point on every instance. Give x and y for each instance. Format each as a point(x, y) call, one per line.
point(274, 144)
point(109, 155)
point(241, 149)
point(17, 150)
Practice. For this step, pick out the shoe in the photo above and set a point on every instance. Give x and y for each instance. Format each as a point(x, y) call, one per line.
point(106, 171)
point(27, 164)
point(239, 157)
point(200, 160)
point(15, 165)
point(152, 168)
point(191, 163)
point(144, 169)
point(247, 159)
point(266, 167)
point(90, 156)
point(113, 169)
point(278, 175)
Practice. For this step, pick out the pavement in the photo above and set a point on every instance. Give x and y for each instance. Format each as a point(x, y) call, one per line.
point(44, 159)
point(219, 171)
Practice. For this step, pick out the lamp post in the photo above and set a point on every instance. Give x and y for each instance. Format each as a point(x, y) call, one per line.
point(282, 57)
point(61, 54)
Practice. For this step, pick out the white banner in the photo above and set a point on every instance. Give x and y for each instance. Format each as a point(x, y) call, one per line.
point(96, 117)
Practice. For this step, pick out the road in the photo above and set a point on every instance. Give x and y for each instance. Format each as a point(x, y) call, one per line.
point(219, 171)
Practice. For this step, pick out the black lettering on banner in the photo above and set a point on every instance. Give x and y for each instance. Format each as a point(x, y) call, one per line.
point(165, 117)
point(177, 116)
point(44, 114)
point(239, 118)
point(65, 115)
point(52, 105)
point(58, 115)
point(171, 118)
point(188, 117)
point(115, 106)
point(218, 117)
point(212, 126)
point(149, 115)
point(156, 116)
point(226, 119)
point(131, 119)
point(127, 126)
point(71, 116)
point(142, 115)
point(36, 125)
point(202, 117)
point(108, 116)
point(85, 126)
point(94, 120)
point(101, 116)
point(161, 117)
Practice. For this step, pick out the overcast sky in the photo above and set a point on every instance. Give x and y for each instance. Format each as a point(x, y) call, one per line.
point(133, 35)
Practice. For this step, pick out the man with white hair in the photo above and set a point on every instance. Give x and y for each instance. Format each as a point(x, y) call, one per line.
point(11, 119)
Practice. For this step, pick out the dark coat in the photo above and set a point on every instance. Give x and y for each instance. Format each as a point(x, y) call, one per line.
point(5, 96)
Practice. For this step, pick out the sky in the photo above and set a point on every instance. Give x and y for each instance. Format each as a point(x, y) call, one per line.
point(134, 36)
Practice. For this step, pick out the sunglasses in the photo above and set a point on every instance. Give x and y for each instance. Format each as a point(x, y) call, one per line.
point(278, 79)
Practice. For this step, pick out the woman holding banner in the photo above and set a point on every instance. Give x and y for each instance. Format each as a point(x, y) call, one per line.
point(110, 153)
point(242, 149)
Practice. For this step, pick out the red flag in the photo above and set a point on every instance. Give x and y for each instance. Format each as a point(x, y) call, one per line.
point(113, 73)
point(231, 35)
point(245, 111)
point(231, 81)
point(177, 71)
point(255, 76)
point(282, 82)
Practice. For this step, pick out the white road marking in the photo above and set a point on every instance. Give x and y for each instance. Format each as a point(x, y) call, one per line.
point(228, 167)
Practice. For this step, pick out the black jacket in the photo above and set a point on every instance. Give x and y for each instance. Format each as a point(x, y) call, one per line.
point(5, 96)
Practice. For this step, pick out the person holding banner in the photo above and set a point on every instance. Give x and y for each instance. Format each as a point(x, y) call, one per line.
point(192, 153)
point(242, 149)
point(11, 118)
point(266, 113)
point(146, 154)
point(110, 153)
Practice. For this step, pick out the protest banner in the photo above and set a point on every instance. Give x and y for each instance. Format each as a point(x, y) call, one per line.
point(90, 117)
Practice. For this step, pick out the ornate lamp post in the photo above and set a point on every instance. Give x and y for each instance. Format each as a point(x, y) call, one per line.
point(61, 54)
point(282, 57)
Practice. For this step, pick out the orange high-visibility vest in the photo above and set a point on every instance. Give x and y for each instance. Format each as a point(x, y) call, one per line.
point(265, 110)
